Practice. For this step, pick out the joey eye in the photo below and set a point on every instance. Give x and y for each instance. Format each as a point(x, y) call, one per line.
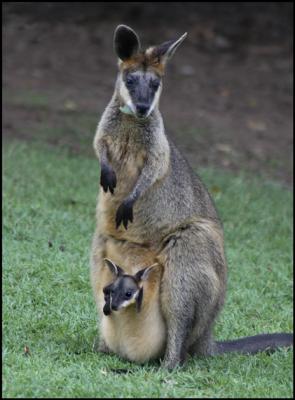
point(106, 290)
point(128, 294)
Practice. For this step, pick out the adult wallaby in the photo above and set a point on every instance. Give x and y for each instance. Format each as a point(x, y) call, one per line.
point(155, 209)
point(133, 325)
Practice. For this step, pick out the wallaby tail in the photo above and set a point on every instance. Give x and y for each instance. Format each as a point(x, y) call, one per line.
point(254, 344)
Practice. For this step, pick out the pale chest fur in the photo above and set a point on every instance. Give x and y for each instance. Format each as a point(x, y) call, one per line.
point(126, 144)
point(137, 151)
point(138, 337)
point(127, 154)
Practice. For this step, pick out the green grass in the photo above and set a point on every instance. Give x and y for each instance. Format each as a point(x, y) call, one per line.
point(49, 201)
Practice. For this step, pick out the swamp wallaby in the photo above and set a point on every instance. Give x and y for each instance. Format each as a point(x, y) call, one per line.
point(132, 325)
point(154, 209)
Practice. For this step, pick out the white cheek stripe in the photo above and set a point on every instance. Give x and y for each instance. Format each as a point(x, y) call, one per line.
point(126, 96)
point(127, 303)
point(156, 100)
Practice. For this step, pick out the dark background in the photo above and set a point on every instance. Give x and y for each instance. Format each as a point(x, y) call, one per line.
point(227, 97)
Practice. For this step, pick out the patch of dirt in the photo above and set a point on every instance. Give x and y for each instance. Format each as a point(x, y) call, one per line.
point(227, 98)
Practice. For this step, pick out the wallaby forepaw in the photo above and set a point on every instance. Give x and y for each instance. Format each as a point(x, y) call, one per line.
point(124, 213)
point(108, 179)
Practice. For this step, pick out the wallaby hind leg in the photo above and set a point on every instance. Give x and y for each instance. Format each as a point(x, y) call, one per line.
point(192, 289)
point(203, 345)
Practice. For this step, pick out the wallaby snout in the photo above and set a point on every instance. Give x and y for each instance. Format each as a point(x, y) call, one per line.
point(142, 109)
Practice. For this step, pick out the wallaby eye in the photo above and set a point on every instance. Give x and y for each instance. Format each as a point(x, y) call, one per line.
point(128, 294)
point(130, 80)
point(155, 84)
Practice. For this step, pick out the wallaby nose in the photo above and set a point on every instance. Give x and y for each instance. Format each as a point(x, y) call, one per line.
point(142, 109)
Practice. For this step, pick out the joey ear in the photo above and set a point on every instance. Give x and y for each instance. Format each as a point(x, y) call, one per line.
point(107, 308)
point(166, 50)
point(115, 269)
point(139, 298)
point(143, 274)
point(126, 42)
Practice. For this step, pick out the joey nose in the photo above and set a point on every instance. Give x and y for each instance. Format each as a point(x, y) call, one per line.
point(142, 109)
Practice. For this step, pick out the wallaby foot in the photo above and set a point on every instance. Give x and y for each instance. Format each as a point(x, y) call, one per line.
point(170, 364)
point(177, 338)
point(173, 359)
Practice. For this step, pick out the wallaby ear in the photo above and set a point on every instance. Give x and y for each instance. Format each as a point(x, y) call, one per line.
point(115, 269)
point(143, 274)
point(166, 50)
point(126, 42)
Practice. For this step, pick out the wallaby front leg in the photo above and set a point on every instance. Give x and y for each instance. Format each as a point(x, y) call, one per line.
point(108, 178)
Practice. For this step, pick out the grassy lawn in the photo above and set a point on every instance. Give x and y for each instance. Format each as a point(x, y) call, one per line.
point(49, 199)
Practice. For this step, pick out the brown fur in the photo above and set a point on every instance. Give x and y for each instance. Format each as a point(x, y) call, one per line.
point(147, 60)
